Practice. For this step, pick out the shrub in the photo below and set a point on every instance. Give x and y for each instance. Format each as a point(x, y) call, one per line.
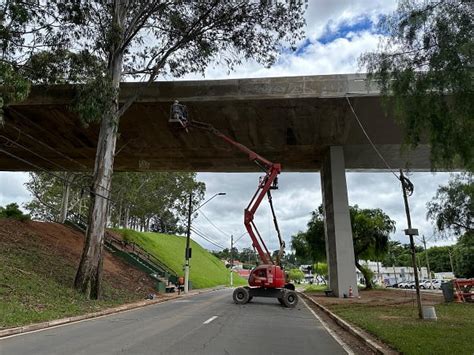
point(295, 275)
point(13, 211)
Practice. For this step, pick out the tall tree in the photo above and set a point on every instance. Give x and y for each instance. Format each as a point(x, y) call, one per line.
point(99, 43)
point(143, 201)
point(371, 230)
point(452, 208)
point(463, 253)
point(438, 258)
point(154, 201)
point(56, 196)
point(425, 66)
point(310, 246)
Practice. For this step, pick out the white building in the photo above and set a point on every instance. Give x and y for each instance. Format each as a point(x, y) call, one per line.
point(392, 274)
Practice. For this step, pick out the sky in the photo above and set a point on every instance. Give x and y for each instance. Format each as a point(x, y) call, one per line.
point(337, 33)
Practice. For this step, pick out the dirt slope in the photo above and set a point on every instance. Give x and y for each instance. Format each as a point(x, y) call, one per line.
point(65, 244)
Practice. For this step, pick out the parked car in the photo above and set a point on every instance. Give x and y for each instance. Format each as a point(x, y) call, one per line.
point(426, 284)
point(402, 284)
point(411, 284)
point(437, 284)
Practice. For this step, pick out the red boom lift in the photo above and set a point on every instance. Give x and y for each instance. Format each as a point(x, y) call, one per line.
point(267, 279)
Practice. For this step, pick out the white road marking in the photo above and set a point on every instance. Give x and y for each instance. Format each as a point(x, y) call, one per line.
point(210, 320)
point(333, 334)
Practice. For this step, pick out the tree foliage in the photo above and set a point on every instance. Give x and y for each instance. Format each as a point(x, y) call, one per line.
point(140, 201)
point(452, 208)
point(310, 246)
point(463, 254)
point(400, 254)
point(296, 275)
point(425, 67)
point(438, 258)
point(371, 230)
point(47, 191)
point(13, 211)
point(154, 201)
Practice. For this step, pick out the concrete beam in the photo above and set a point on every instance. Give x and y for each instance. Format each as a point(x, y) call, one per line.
point(339, 244)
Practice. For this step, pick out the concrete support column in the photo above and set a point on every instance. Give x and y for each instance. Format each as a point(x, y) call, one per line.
point(339, 245)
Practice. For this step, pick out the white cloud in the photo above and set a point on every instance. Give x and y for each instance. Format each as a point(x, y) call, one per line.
point(12, 188)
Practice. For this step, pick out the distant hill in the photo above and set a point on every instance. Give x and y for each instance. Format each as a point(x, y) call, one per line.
point(205, 269)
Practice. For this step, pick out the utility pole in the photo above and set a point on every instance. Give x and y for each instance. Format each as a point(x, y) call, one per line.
point(451, 260)
point(427, 262)
point(408, 186)
point(231, 260)
point(188, 250)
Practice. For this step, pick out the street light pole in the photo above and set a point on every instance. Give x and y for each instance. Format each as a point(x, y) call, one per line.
point(187, 252)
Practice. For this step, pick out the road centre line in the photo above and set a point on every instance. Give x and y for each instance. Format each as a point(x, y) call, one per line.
point(330, 331)
point(210, 320)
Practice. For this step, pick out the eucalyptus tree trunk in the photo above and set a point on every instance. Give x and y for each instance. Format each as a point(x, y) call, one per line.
point(65, 198)
point(126, 220)
point(89, 274)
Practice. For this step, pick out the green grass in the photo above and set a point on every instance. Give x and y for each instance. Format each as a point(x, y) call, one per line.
point(35, 286)
point(315, 288)
point(399, 327)
point(205, 269)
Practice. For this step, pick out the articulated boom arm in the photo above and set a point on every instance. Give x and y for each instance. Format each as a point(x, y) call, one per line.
point(267, 183)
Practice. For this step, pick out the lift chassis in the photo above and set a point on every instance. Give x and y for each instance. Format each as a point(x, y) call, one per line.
point(267, 279)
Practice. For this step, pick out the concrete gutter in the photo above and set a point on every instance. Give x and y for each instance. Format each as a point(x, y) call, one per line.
point(358, 333)
point(109, 311)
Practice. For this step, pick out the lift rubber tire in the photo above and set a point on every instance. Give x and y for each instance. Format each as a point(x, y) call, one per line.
point(281, 301)
point(241, 295)
point(290, 299)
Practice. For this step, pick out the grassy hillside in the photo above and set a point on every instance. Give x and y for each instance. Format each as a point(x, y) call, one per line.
point(206, 270)
point(38, 262)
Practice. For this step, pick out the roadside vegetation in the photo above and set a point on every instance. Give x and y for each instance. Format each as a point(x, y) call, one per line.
point(399, 327)
point(38, 262)
point(13, 211)
point(392, 317)
point(315, 288)
point(206, 270)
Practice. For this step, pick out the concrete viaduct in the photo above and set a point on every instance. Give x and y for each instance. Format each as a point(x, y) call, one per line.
point(305, 123)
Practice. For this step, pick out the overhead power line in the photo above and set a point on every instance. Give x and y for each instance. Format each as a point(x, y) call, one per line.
point(227, 235)
point(370, 140)
point(240, 237)
point(37, 167)
point(207, 235)
point(199, 234)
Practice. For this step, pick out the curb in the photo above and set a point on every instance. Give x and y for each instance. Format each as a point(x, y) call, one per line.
point(105, 312)
point(351, 329)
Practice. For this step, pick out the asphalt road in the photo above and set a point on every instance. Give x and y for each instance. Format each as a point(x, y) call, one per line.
point(209, 323)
